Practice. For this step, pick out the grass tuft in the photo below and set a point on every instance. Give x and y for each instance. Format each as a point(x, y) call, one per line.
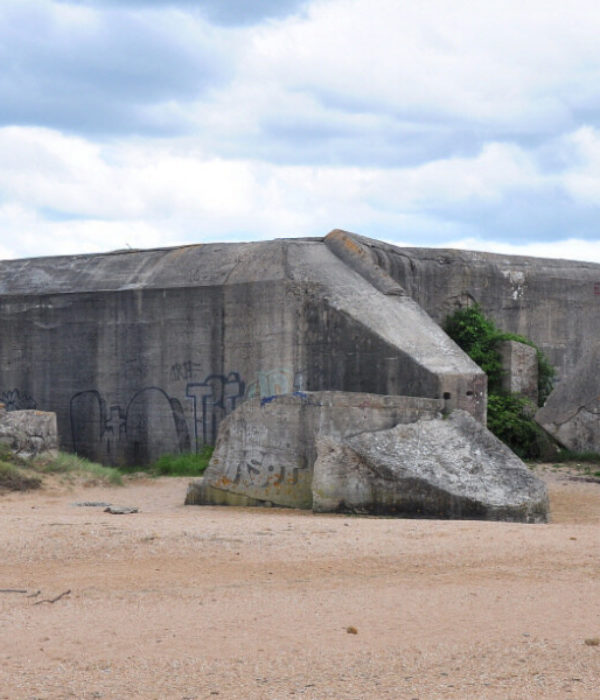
point(14, 479)
point(565, 455)
point(187, 464)
point(67, 463)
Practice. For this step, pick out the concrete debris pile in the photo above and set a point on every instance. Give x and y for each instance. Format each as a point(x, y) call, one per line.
point(368, 454)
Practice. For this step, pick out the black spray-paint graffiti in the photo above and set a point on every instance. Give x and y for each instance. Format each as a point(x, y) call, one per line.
point(254, 471)
point(213, 399)
point(16, 400)
point(152, 422)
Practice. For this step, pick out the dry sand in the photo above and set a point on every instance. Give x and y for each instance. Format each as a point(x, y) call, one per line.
point(191, 602)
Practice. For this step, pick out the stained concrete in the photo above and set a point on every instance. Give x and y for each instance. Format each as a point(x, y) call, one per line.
point(145, 352)
point(266, 448)
point(520, 367)
point(554, 303)
point(450, 467)
point(571, 413)
point(364, 453)
point(28, 433)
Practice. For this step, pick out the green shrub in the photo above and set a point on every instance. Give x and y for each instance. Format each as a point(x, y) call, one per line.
point(479, 337)
point(509, 415)
point(565, 455)
point(509, 418)
point(187, 464)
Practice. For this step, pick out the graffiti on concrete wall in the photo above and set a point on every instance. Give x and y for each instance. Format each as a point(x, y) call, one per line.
point(275, 382)
point(185, 370)
point(153, 422)
point(258, 472)
point(150, 419)
point(15, 400)
point(213, 399)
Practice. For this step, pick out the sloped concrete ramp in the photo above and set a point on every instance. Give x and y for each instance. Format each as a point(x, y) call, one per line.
point(367, 453)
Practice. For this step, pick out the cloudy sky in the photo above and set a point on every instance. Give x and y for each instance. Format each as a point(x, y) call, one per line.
point(131, 123)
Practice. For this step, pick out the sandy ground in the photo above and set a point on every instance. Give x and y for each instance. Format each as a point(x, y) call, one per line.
point(191, 602)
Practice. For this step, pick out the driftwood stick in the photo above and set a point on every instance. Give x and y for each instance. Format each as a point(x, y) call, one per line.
point(12, 590)
point(53, 600)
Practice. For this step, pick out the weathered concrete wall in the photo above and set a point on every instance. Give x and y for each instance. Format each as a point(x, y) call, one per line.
point(555, 303)
point(145, 352)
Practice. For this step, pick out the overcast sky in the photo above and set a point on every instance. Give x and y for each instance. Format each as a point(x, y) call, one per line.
point(131, 123)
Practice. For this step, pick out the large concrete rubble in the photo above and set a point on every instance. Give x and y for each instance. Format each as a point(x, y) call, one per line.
point(365, 453)
point(571, 413)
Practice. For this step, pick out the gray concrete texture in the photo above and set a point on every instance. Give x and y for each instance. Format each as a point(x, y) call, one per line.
point(572, 412)
point(145, 352)
point(555, 303)
point(266, 448)
point(520, 367)
point(367, 454)
point(28, 434)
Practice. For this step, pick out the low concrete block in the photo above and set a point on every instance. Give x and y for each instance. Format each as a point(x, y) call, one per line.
point(441, 468)
point(367, 453)
point(29, 434)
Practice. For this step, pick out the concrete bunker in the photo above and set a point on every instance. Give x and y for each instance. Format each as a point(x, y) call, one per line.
point(143, 352)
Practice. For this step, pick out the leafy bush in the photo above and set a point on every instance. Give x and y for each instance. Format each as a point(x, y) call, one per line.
point(479, 337)
point(187, 464)
point(509, 415)
point(509, 418)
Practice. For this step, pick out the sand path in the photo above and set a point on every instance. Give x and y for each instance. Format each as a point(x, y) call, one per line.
point(190, 602)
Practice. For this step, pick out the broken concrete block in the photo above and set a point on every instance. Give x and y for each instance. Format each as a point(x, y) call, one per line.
point(29, 434)
point(433, 468)
point(520, 365)
point(366, 453)
point(266, 448)
point(571, 413)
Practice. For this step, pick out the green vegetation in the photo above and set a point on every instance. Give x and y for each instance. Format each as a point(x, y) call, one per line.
point(478, 336)
point(14, 478)
point(21, 475)
point(510, 417)
point(67, 463)
point(570, 456)
point(187, 464)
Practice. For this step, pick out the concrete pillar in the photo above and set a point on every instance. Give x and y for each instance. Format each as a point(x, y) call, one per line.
point(519, 362)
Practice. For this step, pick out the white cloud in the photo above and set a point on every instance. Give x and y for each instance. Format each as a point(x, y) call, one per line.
point(62, 193)
point(427, 122)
